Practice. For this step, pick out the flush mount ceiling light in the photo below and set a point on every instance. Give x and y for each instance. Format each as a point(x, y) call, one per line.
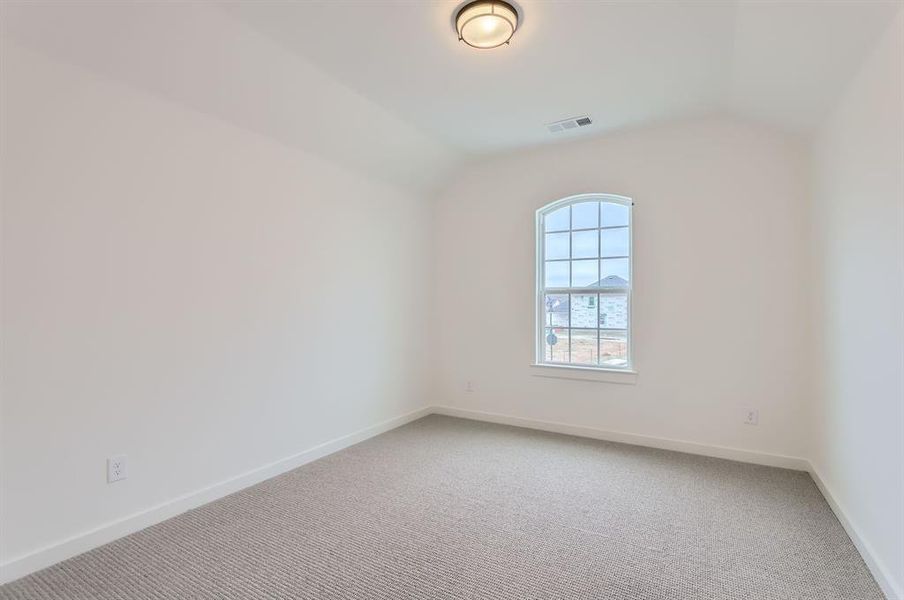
point(486, 23)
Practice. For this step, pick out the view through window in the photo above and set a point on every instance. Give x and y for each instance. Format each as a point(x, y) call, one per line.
point(584, 281)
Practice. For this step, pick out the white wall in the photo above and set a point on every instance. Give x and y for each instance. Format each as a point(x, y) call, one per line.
point(858, 211)
point(719, 305)
point(198, 297)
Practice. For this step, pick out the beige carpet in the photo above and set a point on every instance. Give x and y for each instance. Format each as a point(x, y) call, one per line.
point(445, 508)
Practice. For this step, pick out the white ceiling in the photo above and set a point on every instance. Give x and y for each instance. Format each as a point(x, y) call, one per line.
point(623, 63)
point(385, 88)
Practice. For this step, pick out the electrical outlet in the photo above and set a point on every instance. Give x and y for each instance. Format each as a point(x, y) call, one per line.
point(469, 387)
point(116, 468)
point(752, 417)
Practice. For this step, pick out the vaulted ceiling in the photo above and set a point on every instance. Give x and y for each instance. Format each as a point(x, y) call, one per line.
point(385, 87)
point(623, 63)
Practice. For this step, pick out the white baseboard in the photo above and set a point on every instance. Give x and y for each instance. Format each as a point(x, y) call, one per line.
point(880, 572)
point(54, 553)
point(748, 456)
point(87, 540)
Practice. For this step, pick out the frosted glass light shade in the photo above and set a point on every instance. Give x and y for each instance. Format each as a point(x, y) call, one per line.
point(486, 23)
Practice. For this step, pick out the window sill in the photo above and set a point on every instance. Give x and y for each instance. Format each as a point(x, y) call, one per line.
point(622, 376)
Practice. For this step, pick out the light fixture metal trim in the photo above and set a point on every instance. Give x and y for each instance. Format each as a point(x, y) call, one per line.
point(481, 9)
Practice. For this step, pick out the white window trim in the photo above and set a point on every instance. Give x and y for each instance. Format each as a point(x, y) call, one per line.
point(581, 373)
point(585, 372)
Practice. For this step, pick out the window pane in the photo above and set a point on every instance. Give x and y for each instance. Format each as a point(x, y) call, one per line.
point(555, 345)
point(583, 310)
point(613, 348)
point(558, 220)
point(614, 272)
point(614, 214)
point(585, 215)
point(556, 274)
point(583, 346)
point(583, 244)
point(614, 242)
point(584, 273)
point(556, 245)
point(557, 310)
point(614, 311)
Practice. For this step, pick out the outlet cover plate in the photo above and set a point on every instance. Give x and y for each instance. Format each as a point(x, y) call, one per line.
point(752, 417)
point(117, 468)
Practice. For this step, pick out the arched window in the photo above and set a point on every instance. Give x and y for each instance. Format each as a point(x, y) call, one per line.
point(584, 282)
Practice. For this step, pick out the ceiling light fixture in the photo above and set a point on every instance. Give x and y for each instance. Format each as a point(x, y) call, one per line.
point(486, 23)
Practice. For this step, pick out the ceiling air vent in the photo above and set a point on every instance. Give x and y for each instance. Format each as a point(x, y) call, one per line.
point(567, 124)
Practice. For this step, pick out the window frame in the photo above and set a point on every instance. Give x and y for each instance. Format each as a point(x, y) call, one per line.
point(541, 290)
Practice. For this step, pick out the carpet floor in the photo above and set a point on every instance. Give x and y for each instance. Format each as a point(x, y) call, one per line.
point(446, 508)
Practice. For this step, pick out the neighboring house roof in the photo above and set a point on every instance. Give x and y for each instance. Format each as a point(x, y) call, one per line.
point(610, 281)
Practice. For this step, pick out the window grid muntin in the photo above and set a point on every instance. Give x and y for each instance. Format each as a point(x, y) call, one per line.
point(588, 228)
point(625, 291)
point(588, 258)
